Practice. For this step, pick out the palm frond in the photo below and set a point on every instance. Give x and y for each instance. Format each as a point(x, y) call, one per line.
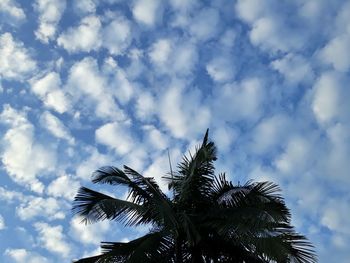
point(263, 196)
point(115, 176)
point(152, 247)
point(93, 206)
point(219, 249)
point(189, 228)
point(94, 259)
point(195, 173)
point(110, 175)
point(159, 204)
point(285, 246)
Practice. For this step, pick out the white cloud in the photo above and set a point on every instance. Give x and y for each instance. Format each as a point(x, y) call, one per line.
point(147, 11)
point(296, 156)
point(85, 6)
point(46, 84)
point(270, 26)
point(116, 136)
point(120, 85)
point(10, 196)
point(313, 10)
point(160, 51)
point(55, 127)
point(342, 20)
point(137, 67)
point(173, 117)
point(87, 83)
point(145, 105)
point(53, 239)
point(50, 12)
point(205, 24)
point(185, 58)
point(88, 234)
point(94, 161)
point(16, 62)
point(339, 241)
point(183, 5)
point(173, 57)
point(136, 158)
point(21, 255)
point(269, 133)
point(12, 10)
point(23, 157)
point(125, 90)
point(32, 207)
point(262, 174)
point(2, 223)
point(183, 113)
point(335, 215)
point(48, 89)
point(228, 38)
point(117, 43)
point(264, 33)
point(239, 101)
point(91, 35)
point(335, 51)
point(221, 69)
point(85, 76)
point(224, 136)
point(250, 10)
point(326, 100)
point(338, 165)
point(156, 139)
point(85, 37)
point(294, 68)
point(63, 186)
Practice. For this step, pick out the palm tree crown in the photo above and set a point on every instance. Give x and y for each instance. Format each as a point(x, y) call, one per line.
point(208, 219)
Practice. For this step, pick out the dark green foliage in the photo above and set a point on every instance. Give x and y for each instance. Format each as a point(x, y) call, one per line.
point(208, 219)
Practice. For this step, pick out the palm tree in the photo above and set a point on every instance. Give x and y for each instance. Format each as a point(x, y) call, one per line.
point(208, 219)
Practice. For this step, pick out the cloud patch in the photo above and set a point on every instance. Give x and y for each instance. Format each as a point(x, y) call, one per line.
point(50, 12)
point(49, 89)
point(85, 37)
point(16, 62)
point(56, 127)
point(11, 12)
point(23, 157)
point(86, 83)
point(146, 12)
point(94, 33)
point(53, 239)
point(21, 255)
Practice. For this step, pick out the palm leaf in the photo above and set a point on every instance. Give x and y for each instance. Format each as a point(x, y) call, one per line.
point(159, 203)
point(196, 174)
point(153, 247)
point(263, 196)
point(114, 176)
point(285, 246)
point(93, 206)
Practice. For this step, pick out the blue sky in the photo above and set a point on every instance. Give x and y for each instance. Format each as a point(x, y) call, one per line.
point(88, 83)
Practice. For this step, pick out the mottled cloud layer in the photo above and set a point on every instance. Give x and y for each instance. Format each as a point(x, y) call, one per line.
point(90, 83)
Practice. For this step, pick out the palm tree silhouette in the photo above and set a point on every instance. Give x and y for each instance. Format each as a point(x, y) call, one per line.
point(208, 219)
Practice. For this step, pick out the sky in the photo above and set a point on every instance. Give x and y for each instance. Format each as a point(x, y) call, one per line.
point(89, 83)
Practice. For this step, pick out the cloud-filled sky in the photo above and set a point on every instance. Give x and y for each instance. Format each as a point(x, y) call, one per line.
point(87, 83)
